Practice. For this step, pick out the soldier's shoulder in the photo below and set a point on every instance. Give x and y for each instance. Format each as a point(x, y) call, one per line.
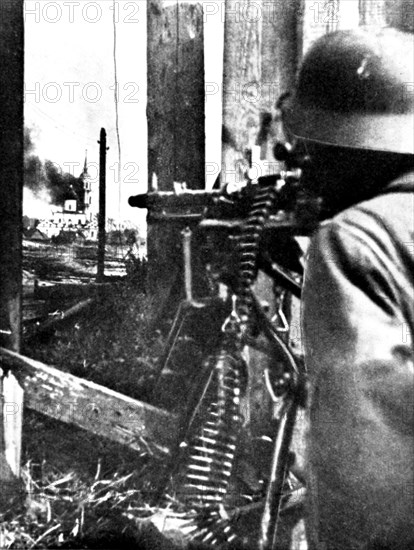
point(392, 211)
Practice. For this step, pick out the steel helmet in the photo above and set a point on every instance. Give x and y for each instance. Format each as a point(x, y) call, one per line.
point(356, 89)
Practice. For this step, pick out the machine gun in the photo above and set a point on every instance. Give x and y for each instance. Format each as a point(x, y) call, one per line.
point(271, 209)
point(238, 231)
point(192, 206)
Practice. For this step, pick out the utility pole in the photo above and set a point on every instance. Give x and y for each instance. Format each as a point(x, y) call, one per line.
point(102, 206)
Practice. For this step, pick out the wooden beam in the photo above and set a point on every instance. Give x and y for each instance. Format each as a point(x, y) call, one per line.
point(95, 408)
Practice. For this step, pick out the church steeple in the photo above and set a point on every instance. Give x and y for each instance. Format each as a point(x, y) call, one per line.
point(85, 165)
point(87, 188)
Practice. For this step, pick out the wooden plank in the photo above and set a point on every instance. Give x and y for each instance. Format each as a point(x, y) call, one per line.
point(95, 408)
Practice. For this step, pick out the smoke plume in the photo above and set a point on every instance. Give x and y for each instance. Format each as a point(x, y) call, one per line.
point(45, 183)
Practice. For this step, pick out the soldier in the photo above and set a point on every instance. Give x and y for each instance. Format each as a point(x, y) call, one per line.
point(353, 114)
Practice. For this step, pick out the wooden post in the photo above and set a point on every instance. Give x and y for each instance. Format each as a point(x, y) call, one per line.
point(102, 206)
point(175, 94)
point(11, 172)
point(280, 50)
point(260, 63)
point(11, 185)
point(241, 86)
point(400, 14)
point(176, 139)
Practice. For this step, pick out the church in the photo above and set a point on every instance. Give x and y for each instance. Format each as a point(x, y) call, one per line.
point(73, 216)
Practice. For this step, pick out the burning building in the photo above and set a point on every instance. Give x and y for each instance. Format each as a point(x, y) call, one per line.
point(77, 213)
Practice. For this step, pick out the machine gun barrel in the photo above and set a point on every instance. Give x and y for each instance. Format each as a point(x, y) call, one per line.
point(167, 199)
point(169, 205)
point(187, 204)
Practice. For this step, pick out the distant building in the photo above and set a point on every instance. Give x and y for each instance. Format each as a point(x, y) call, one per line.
point(33, 234)
point(91, 193)
point(70, 216)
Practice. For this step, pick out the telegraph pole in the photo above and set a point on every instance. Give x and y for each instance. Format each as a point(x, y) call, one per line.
point(102, 206)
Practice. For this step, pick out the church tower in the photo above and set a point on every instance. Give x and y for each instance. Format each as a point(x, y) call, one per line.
point(87, 187)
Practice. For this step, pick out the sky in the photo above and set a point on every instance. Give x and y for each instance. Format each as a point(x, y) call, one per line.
point(69, 89)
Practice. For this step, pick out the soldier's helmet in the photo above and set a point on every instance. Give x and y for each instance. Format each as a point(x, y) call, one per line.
point(356, 89)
